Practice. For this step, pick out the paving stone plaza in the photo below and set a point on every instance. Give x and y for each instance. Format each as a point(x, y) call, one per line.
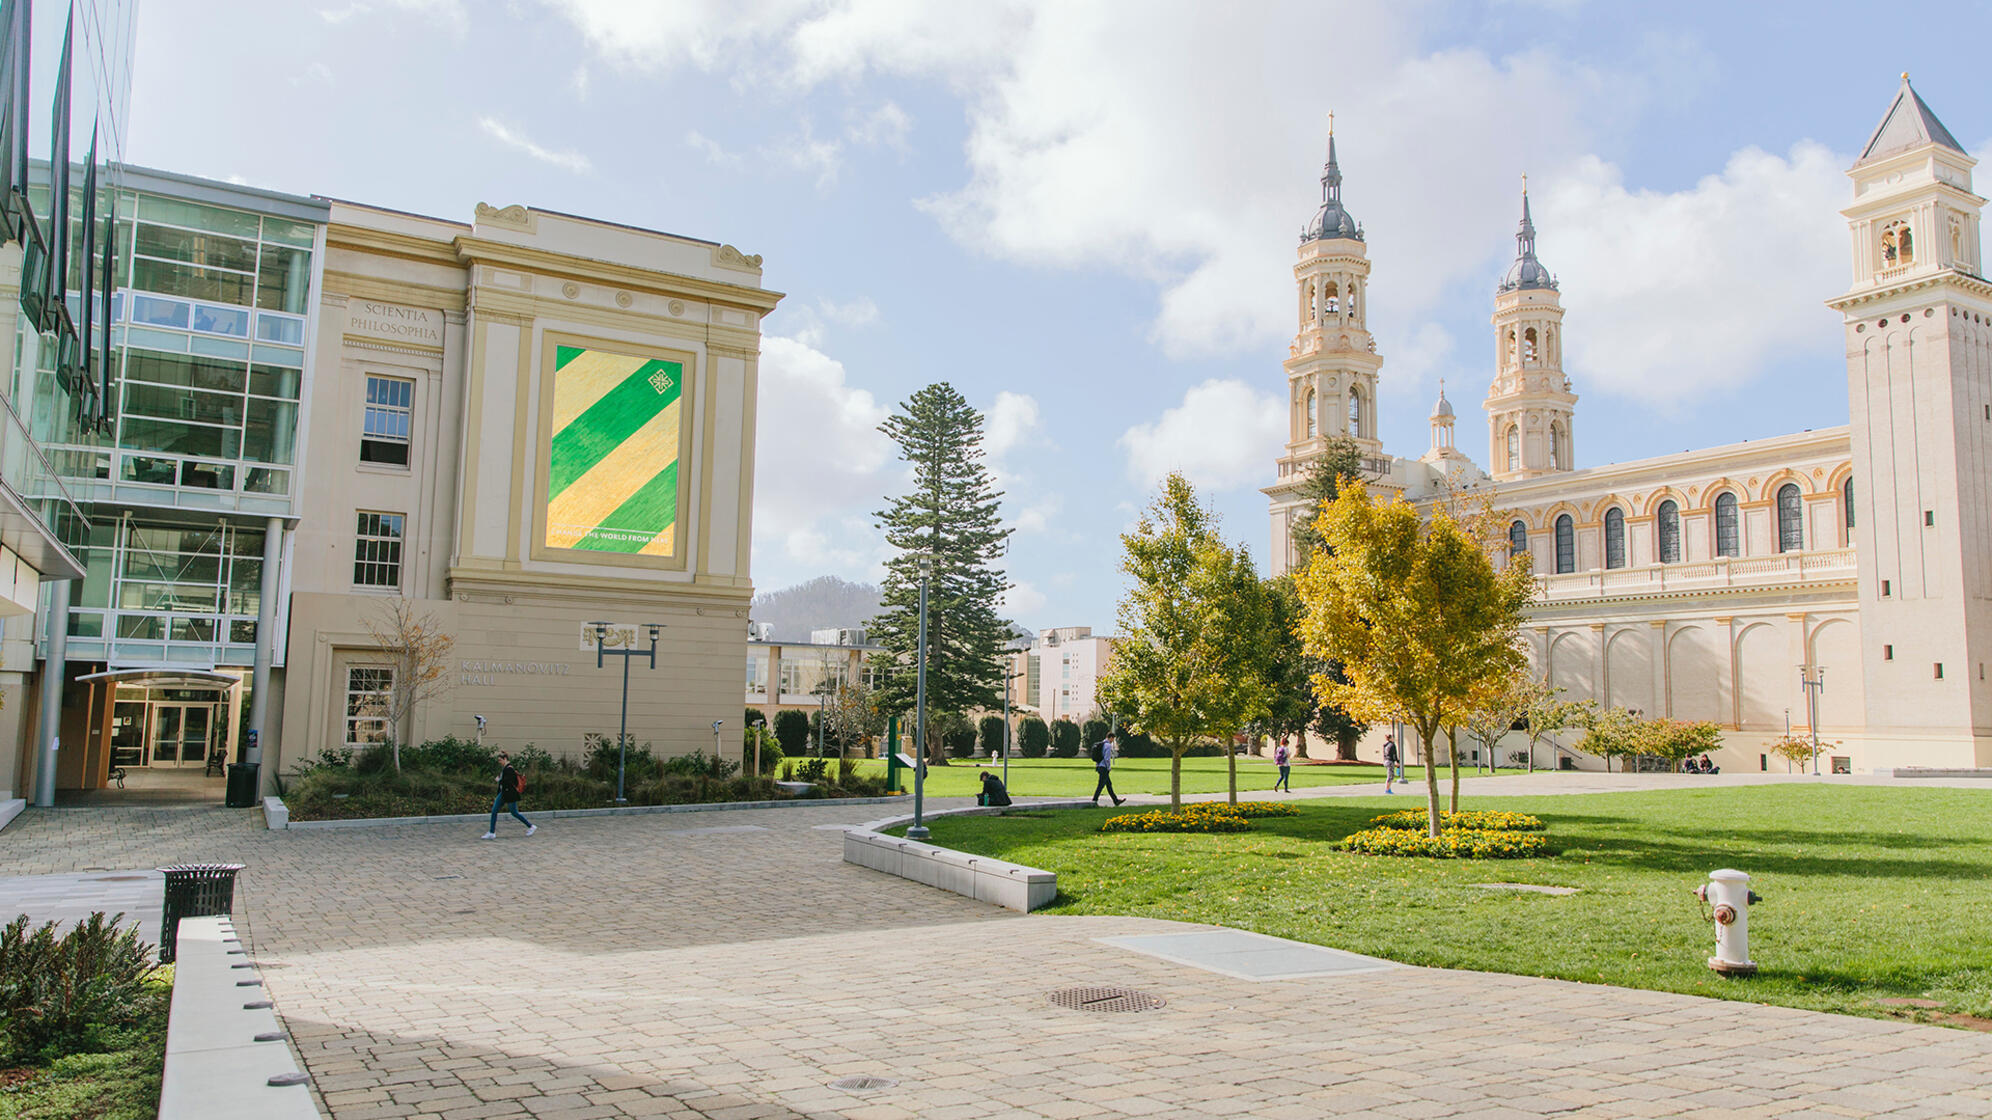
point(730, 965)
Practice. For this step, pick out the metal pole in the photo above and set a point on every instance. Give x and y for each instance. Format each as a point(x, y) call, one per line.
point(622, 734)
point(50, 715)
point(919, 829)
point(1006, 726)
point(266, 638)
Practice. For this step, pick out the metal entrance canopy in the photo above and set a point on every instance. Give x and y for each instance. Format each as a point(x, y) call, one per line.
point(173, 677)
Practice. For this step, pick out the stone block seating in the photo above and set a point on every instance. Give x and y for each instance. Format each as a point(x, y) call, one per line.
point(1009, 885)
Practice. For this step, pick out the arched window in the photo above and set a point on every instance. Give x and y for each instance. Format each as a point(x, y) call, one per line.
point(1566, 545)
point(1514, 448)
point(1615, 538)
point(1727, 540)
point(1847, 503)
point(1331, 301)
point(1510, 355)
point(1556, 448)
point(1897, 245)
point(1312, 414)
point(1355, 414)
point(1518, 540)
point(1669, 525)
point(1791, 519)
point(1530, 351)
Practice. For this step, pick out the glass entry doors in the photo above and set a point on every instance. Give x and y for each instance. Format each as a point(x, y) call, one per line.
point(180, 734)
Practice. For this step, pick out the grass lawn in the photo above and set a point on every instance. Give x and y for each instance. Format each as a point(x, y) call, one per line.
point(1869, 893)
point(1074, 777)
point(121, 1083)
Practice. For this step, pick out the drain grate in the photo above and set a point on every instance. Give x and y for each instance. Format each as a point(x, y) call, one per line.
point(1104, 999)
point(863, 1084)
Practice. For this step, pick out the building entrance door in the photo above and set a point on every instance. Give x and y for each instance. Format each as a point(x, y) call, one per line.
point(180, 734)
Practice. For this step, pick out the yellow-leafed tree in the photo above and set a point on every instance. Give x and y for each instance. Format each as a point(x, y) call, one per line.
point(1416, 613)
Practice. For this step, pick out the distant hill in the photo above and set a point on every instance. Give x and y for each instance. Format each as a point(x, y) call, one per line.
point(817, 604)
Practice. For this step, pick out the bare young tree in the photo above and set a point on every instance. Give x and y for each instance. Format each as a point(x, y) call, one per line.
point(419, 652)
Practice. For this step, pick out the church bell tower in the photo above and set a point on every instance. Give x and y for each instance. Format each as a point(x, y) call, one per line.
point(1529, 405)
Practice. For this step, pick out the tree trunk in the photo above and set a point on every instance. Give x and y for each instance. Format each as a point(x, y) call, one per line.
point(1452, 748)
point(1427, 736)
point(1231, 763)
point(1300, 746)
point(1345, 745)
point(1176, 775)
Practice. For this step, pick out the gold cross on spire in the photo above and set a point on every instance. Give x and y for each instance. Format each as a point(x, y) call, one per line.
point(1331, 118)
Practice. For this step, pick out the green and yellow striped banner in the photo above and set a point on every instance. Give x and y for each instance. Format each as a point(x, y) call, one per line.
point(612, 475)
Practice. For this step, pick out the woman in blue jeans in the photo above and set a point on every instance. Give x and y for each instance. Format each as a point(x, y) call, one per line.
point(508, 797)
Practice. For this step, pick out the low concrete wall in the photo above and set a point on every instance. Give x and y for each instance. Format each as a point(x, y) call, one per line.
point(1939, 772)
point(11, 808)
point(215, 1067)
point(1009, 885)
point(619, 811)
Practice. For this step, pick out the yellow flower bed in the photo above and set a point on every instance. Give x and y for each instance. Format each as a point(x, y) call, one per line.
point(1453, 843)
point(1192, 818)
point(1486, 820)
point(1251, 809)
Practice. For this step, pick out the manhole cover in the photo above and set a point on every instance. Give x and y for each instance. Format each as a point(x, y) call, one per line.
point(863, 1084)
point(1104, 999)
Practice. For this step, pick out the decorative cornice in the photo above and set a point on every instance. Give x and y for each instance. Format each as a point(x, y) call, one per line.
point(1949, 278)
point(364, 286)
point(561, 266)
point(511, 217)
point(386, 243)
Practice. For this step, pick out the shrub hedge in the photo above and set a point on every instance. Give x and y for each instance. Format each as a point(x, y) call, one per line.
point(73, 993)
point(1255, 809)
point(1206, 817)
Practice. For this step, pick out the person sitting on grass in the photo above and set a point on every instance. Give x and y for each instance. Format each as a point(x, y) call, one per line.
point(993, 792)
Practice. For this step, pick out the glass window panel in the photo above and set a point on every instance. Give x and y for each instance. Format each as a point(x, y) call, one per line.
point(1614, 538)
point(1791, 519)
point(204, 373)
point(192, 281)
point(262, 480)
point(1727, 540)
point(282, 279)
point(1518, 539)
point(141, 468)
point(192, 630)
point(221, 320)
point(145, 627)
point(174, 403)
point(140, 434)
point(207, 476)
point(1670, 532)
point(271, 327)
point(172, 567)
point(270, 434)
point(193, 215)
point(1566, 545)
point(1847, 501)
point(377, 550)
point(287, 232)
point(278, 355)
point(156, 340)
point(153, 311)
point(86, 625)
point(274, 381)
point(168, 597)
point(246, 542)
point(163, 538)
point(219, 348)
point(194, 247)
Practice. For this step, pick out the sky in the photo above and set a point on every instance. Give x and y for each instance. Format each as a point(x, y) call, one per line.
point(1084, 215)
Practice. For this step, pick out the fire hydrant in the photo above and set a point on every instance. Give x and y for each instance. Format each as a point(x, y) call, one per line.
point(1729, 893)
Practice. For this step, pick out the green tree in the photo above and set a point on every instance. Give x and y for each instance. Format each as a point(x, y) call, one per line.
point(1091, 731)
point(950, 514)
point(1548, 713)
point(1064, 738)
point(855, 718)
point(1340, 462)
point(1613, 733)
point(792, 732)
point(991, 728)
point(1193, 665)
point(1033, 737)
point(1292, 708)
point(1414, 611)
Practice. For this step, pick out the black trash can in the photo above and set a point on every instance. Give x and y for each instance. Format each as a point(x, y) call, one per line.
point(242, 785)
point(194, 890)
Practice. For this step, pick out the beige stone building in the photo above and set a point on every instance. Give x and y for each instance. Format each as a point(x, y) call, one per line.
point(1707, 585)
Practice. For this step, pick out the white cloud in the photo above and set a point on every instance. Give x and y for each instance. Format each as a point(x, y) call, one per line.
point(885, 126)
point(714, 153)
point(1036, 517)
point(1669, 294)
point(1021, 599)
point(803, 152)
point(450, 14)
point(809, 324)
point(822, 467)
point(519, 142)
point(1223, 435)
point(1009, 422)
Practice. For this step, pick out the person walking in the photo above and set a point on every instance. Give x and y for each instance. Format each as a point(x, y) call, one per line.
point(1283, 758)
point(1393, 765)
point(1103, 761)
point(508, 798)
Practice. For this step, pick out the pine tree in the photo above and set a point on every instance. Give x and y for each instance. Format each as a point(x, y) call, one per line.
point(1341, 461)
point(950, 514)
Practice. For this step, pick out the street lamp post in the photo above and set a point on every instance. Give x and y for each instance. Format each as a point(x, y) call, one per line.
point(919, 829)
point(602, 652)
point(1813, 679)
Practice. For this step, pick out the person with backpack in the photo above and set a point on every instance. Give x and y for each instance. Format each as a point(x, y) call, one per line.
point(510, 785)
point(993, 792)
point(1393, 765)
point(1103, 761)
point(1283, 758)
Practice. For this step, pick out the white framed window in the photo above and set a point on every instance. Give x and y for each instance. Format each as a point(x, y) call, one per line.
point(369, 697)
point(384, 432)
point(377, 549)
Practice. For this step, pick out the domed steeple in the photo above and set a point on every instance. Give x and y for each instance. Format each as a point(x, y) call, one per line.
point(1527, 271)
point(1331, 221)
point(1444, 409)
